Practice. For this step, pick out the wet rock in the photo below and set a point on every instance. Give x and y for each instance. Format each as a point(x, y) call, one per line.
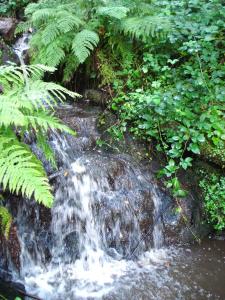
point(7, 54)
point(126, 196)
point(10, 290)
point(96, 97)
point(7, 28)
point(11, 246)
point(182, 222)
point(71, 242)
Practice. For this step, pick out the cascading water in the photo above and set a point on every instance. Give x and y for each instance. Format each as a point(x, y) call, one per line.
point(84, 261)
point(21, 46)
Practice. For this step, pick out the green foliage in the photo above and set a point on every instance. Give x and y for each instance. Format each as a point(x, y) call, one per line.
point(27, 104)
point(213, 189)
point(83, 43)
point(62, 35)
point(173, 91)
point(68, 31)
point(9, 7)
point(148, 26)
point(106, 70)
point(5, 221)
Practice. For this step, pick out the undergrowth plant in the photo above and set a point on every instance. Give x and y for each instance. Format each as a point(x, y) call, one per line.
point(27, 105)
point(67, 32)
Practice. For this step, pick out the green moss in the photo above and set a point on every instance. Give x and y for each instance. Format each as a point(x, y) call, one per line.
point(106, 70)
point(212, 186)
point(215, 154)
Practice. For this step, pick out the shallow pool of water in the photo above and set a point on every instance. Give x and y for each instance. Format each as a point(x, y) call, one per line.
point(196, 272)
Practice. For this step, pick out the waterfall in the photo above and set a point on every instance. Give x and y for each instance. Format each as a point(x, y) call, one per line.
point(89, 241)
point(22, 46)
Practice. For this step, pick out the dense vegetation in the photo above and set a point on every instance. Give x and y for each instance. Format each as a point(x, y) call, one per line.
point(162, 62)
point(22, 111)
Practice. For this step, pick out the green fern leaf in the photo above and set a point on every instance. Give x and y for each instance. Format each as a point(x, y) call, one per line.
point(83, 43)
point(42, 119)
point(21, 171)
point(67, 21)
point(145, 27)
point(50, 33)
point(23, 27)
point(46, 149)
point(118, 12)
point(26, 104)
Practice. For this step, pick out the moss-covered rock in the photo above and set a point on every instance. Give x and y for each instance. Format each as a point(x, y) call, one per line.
point(214, 154)
point(96, 97)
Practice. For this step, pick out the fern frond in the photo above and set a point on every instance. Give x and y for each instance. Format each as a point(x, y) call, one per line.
point(21, 171)
point(42, 143)
point(48, 93)
point(70, 67)
point(43, 120)
point(42, 15)
point(118, 12)
point(23, 27)
point(83, 43)
point(52, 55)
point(50, 33)
point(10, 113)
point(10, 74)
point(25, 104)
point(145, 27)
point(67, 21)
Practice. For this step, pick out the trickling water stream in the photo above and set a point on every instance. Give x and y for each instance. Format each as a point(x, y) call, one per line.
point(21, 46)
